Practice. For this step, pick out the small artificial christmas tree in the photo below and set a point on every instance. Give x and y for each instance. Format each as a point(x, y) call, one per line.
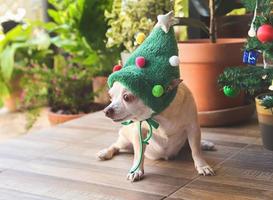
point(254, 79)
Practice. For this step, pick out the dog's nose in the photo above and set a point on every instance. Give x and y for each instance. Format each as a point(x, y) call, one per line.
point(109, 112)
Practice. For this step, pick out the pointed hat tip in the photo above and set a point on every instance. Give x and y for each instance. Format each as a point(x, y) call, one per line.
point(166, 21)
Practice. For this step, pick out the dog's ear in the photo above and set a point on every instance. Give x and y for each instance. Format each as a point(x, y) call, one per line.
point(173, 84)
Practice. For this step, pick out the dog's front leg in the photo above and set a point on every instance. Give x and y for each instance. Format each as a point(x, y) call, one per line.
point(194, 137)
point(138, 155)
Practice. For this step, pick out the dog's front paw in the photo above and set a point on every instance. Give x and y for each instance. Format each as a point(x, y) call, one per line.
point(135, 176)
point(105, 154)
point(205, 170)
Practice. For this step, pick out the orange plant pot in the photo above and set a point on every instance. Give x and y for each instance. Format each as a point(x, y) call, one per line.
point(55, 118)
point(12, 102)
point(201, 64)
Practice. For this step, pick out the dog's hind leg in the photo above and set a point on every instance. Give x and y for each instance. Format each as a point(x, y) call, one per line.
point(121, 143)
point(207, 145)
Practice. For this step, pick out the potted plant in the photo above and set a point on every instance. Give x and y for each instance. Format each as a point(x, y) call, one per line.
point(202, 60)
point(264, 106)
point(107, 57)
point(254, 81)
point(66, 89)
point(21, 46)
point(65, 86)
point(88, 47)
point(129, 18)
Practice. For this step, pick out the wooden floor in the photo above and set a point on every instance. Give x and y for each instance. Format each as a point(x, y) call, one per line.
point(60, 164)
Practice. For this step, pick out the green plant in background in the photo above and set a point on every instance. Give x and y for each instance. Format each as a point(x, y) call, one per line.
point(80, 32)
point(267, 102)
point(66, 17)
point(127, 18)
point(93, 27)
point(61, 87)
point(23, 46)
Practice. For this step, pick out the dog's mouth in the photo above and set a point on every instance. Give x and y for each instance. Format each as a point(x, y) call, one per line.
point(121, 119)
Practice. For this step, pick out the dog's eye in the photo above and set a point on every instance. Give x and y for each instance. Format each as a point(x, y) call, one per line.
point(128, 97)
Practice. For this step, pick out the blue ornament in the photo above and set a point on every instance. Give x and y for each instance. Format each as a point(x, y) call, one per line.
point(250, 57)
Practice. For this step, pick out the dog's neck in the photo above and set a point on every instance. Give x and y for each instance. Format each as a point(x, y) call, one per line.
point(173, 111)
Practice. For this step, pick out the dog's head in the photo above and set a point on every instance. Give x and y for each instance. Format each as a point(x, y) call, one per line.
point(125, 105)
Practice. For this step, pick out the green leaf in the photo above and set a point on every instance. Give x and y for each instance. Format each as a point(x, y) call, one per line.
point(54, 15)
point(41, 42)
point(267, 102)
point(19, 33)
point(59, 63)
point(63, 43)
point(1, 103)
point(7, 62)
point(4, 91)
point(91, 60)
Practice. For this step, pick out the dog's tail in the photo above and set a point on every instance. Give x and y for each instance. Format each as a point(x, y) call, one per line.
point(207, 145)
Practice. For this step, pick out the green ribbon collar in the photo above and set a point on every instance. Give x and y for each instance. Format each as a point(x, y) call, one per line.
point(152, 124)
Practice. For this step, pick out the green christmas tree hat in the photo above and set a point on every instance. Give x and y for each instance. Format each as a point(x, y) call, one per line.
point(152, 71)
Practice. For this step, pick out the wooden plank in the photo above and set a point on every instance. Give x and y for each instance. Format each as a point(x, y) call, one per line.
point(254, 157)
point(18, 151)
point(6, 194)
point(66, 189)
point(247, 133)
point(170, 198)
point(60, 163)
point(246, 175)
point(210, 191)
point(153, 183)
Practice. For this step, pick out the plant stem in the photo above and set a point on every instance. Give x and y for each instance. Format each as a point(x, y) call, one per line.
point(212, 28)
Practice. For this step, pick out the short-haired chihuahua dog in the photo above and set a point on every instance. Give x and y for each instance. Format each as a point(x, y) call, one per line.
point(177, 124)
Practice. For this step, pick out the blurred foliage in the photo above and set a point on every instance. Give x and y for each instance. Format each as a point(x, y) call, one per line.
point(32, 116)
point(79, 29)
point(93, 27)
point(181, 9)
point(239, 11)
point(25, 45)
point(267, 102)
point(66, 17)
point(127, 18)
point(250, 79)
point(60, 87)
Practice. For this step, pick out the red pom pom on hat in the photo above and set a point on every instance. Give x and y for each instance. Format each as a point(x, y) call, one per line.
point(117, 68)
point(140, 61)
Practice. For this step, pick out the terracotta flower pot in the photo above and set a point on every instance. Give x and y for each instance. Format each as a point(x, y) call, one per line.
point(11, 102)
point(201, 64)
point(55, 118)
point(265, 117)
point(100, 87)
